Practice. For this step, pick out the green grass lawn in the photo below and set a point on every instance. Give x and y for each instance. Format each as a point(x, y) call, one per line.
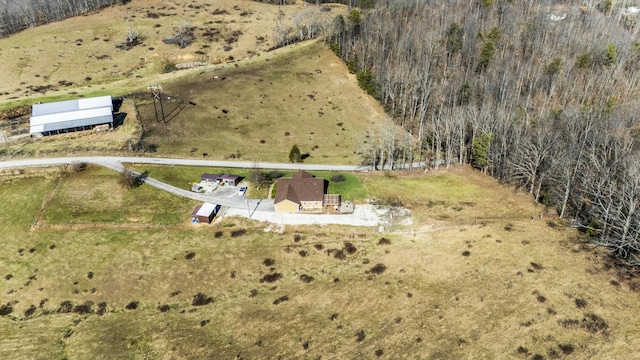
point(185, 176)
point(96, 196)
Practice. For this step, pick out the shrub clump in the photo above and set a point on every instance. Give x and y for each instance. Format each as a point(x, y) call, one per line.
point(86, 308)
point(536, 266)
point(569, 323)
point(269, 278)
point(280, 300)
point(163, 308)
point(306, 278)
point(268, 262)
point(349, 248)
point(30, 311)
point(340, 255)
point(338, 178)
point(566, 349)
point(132, 305)
point(102, 308)
point(190, 255)
point(360, 335)
point(65, 307)
point(201, 299)
point(183, 36)
point(594, 324)
point(581, 303)
point(384, 241)
point(377, 269)
point(239, 232)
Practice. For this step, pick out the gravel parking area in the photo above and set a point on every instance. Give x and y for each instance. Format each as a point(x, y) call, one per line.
point(363, 215)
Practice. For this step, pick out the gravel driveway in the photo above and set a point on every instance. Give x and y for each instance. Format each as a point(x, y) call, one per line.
point(363, 215)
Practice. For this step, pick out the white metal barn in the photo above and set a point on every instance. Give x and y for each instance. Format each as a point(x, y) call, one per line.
point(72, 115)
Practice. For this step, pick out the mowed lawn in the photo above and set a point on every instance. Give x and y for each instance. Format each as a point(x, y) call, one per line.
point(92, 196)
point(348, 184)
point(506, 287)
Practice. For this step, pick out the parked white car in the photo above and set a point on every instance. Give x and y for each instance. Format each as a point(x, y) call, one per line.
point(242, 190)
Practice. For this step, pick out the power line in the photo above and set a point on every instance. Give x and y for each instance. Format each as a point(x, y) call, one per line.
point(156, 91)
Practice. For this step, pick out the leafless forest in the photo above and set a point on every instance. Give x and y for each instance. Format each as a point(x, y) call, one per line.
point(543, 95)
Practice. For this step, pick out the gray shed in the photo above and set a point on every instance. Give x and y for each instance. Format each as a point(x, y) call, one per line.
point(65, 116)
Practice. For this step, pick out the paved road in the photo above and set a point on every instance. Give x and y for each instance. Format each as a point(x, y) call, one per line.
point(105, 160)
point(238, 202)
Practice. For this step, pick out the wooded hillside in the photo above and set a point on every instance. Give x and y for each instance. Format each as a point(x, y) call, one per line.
point(544, 96)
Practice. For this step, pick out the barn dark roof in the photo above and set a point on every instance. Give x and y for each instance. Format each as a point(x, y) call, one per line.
point(300, 188)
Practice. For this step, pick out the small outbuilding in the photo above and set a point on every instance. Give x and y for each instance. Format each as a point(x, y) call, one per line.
point(204, 213)
point(230, 179)
point(224, 179)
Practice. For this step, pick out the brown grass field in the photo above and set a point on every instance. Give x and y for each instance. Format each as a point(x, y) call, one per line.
point(259, 111)
point(79, 55)
point(251, 103)
point(474, 277)
point(90, 270)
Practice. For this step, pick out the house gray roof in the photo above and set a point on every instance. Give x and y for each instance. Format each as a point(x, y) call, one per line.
point(70, 114)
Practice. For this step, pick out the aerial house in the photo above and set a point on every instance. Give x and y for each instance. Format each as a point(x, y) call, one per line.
point(204, 213)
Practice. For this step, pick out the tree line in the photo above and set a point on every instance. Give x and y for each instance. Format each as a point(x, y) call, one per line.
point(546, 100)
point(17, 16)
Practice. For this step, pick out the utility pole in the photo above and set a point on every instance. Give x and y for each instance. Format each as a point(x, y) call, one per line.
point(156, 91)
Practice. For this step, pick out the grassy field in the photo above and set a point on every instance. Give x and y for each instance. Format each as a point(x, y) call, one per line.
point(259, 111)
point(255, 105)
point(446, 287)
point(185, 176)
point(79, 55)
point(90, 270)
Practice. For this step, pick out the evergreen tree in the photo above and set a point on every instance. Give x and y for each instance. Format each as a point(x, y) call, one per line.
point(294, 154)
point(480, 148)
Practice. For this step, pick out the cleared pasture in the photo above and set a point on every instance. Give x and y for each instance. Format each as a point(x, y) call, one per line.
point(445, 287)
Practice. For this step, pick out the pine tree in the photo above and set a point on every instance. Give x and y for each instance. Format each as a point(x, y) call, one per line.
point(480, 149)
point(294, 154)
